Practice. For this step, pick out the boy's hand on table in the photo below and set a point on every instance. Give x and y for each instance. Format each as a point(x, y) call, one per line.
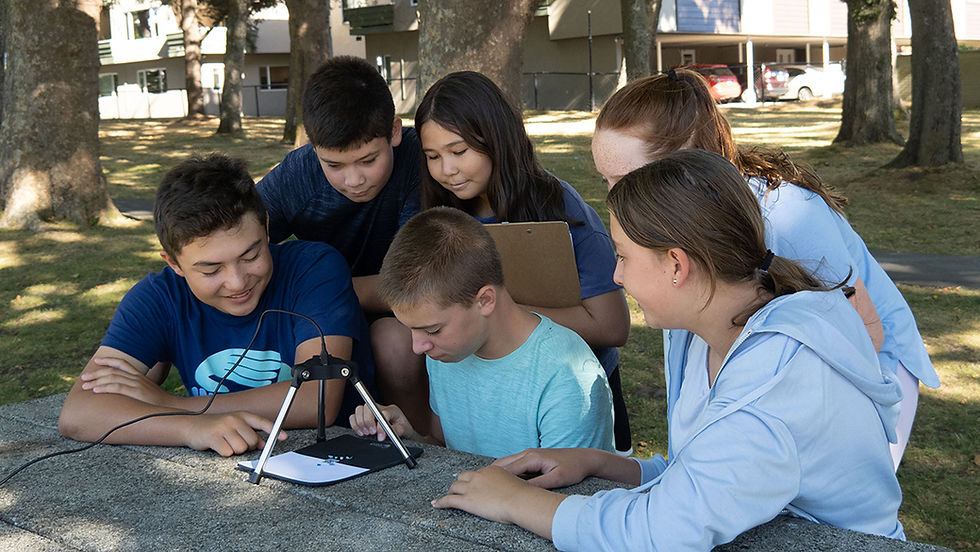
point(116, 375)
point(363, 423)
point(228, 433)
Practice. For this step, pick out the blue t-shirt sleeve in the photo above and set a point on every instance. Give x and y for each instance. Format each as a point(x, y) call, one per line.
point(139, 326)
point(802, 227)
point(287, 189)
point(576, 404)
point(595, 257)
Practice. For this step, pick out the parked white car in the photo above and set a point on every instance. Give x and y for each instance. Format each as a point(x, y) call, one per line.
point(808, 81)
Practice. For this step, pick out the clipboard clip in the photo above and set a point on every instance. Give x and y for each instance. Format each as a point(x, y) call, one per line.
point(319, 370)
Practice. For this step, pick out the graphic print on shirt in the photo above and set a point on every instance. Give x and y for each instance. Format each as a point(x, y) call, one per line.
point(258, 368)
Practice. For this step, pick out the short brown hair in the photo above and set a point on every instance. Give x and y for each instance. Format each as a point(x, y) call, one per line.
point(442, 255)
point(202, 195)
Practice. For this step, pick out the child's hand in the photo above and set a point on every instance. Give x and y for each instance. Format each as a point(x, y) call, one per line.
point(227, 434)
point(564, 467)
point(363, 423)
point(558, 467)
point(116, 375)
point(497, 495)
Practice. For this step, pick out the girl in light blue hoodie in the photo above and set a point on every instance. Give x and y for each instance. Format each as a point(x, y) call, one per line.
point(775, 398)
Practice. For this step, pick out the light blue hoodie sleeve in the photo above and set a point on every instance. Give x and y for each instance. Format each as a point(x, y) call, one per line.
point(735, 483)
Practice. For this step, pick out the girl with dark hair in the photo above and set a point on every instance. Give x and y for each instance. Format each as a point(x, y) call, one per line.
point(653, 116)
point(477, 157)
point(775, 398)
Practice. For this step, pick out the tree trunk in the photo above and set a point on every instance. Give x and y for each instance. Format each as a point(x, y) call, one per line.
point(640, 19)
point(309, 48)
point(457, 35)
point(934, 131)
point(636, 38)
point(231, 93)
point(653, 21)
point(49, 137)
point(867, 114)
point(191, 27)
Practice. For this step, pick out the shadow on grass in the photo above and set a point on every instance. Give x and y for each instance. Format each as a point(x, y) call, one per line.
point(58, 290)
point(137, 153)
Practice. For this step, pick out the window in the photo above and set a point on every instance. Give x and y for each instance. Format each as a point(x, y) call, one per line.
point(785, 55)
point(108, 82)
point(142, 23)
point(153, 81)
point(383, 63)
point(688, 57)
point(273, 77)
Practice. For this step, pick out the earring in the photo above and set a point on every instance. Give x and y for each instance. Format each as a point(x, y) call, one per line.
point(675, 281)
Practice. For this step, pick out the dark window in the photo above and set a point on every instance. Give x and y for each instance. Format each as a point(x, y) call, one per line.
point(108, 84)
point(274, 77)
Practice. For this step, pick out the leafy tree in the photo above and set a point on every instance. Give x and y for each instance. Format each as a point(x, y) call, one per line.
point(867, 113)
point(488, 37)
point(49, 135)
point(935, 127)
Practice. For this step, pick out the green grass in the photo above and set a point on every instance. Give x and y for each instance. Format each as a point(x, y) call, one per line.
point(59, 287)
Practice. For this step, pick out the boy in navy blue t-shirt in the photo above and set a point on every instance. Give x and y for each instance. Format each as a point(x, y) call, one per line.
point(201, 312)
point(353, 186)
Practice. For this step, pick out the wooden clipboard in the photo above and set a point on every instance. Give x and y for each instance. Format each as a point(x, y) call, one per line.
point(538, 262)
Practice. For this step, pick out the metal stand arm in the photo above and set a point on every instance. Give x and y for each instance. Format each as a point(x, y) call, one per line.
point(316, 369)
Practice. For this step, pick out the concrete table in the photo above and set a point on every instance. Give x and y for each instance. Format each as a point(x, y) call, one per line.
point(124, 498)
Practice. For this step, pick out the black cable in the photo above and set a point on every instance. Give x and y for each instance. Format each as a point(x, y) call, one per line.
point(323, 348)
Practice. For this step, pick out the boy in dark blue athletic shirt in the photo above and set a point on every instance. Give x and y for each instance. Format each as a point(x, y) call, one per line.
point(353, 186)
point(200, 313)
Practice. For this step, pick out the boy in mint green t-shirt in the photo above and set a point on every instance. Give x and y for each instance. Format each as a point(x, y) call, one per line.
point(501, 379)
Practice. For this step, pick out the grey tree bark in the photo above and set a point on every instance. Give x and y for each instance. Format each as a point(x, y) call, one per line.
point(309, 47)
point(868, 112)
point(191, 27)
point(231, 93)
point(640, 19)
point(457, 35)
point(935, 127)
point(49, 136)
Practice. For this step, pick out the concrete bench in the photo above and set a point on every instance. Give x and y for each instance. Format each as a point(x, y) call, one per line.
point(161, 498)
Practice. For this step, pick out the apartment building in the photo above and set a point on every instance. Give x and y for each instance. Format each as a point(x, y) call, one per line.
point(573, 55)
point(142, 53)
point(574, 52)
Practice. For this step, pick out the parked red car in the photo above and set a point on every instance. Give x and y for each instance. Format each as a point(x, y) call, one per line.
point(721, 81)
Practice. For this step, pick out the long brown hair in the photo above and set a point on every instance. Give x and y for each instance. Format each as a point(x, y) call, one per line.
point(697, 201)
point(676, 111)
point(473, 106)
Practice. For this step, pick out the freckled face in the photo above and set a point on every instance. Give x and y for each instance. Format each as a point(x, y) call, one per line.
point(228, 269)
point(452, 163)
point(616, 154)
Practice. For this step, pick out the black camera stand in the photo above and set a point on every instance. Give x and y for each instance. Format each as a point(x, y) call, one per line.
point(316, 369)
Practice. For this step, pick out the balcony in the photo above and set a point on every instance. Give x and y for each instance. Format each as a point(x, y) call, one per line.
point(369, 17)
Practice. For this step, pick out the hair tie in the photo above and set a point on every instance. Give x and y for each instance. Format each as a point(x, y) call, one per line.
point(673, 75)
point(766, 261)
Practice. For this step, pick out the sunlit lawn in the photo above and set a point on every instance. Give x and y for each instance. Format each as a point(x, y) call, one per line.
point(59, 287)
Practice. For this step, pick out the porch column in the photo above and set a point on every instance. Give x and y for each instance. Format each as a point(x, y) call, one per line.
point(749, 97)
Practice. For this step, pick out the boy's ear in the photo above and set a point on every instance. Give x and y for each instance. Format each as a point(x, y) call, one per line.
point(396, 133)
point(486, 299)
point(172, 262)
